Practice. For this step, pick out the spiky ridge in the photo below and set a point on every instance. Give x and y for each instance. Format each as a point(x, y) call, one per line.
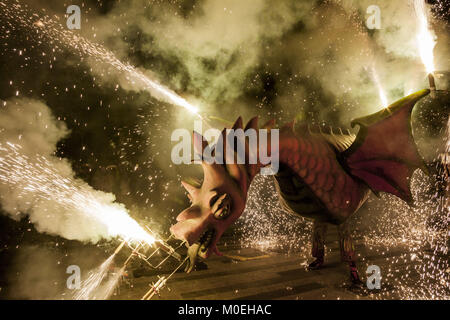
point(241, 174)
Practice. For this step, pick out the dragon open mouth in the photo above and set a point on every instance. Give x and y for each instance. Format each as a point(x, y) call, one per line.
point(200, 248)
point(205, 241)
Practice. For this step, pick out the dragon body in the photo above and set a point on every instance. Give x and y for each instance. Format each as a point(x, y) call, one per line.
point(325, 177)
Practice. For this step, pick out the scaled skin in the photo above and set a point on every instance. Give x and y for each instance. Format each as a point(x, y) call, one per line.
point(322, 177)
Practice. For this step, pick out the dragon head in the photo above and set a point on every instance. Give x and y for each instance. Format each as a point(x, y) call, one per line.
point(214, 206)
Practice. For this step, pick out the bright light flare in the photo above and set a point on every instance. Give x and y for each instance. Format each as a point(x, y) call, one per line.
point(425, 37)
point(119, 223)
point(382, 95)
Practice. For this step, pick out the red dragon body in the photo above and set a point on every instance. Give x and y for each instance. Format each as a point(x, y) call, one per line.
point(322, 176)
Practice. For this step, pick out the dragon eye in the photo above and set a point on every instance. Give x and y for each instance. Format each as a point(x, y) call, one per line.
point(223, 213)
point(221, 207)
point(213, 200)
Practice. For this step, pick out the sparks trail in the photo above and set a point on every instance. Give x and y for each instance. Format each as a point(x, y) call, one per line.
point(425, 38)
point(426, 41)
point(49, 30)
point(424, 247)
point(381, 93)
point(88, 289)
point(37, 178)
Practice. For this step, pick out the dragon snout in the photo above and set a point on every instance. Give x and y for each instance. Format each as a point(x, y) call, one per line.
point(188, 230)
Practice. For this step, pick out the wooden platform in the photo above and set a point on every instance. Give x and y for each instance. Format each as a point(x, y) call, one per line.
point(252, 274)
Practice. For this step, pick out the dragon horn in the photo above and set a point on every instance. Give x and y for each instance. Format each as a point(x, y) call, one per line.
point(193, 191)
point(200, 143)
point(252, 124)
point(238, 124)
point(269, 124)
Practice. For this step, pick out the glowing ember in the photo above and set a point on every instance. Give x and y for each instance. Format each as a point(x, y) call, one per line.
point(425, 38)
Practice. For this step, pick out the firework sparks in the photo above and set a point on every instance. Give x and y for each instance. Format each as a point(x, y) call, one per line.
point(39, 178)
point(92, 288)
point(47, 29)
point(405, 237)
point(425, 38)
point(381, 93)
point(422, 232)
point(89, 286)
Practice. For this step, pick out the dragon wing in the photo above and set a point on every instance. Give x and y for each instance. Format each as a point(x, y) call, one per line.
point(384, 154)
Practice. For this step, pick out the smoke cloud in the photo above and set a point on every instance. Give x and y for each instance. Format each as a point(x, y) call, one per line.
point(317, 55)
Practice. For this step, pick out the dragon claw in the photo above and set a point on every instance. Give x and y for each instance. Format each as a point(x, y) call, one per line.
point(354, 276)
point(192, 254)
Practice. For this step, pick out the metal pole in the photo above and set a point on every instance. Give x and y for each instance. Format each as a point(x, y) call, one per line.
point(432, 85)
point(161, 282)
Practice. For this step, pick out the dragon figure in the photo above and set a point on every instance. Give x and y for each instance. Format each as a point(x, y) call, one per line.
point(325, 177)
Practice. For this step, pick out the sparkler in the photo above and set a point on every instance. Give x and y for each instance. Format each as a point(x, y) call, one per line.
point(89, 286)
point(89, 289)
point(381, 93)
point(426, 42)
point(92, 287)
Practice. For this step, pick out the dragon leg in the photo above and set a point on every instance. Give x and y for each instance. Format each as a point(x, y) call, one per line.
point(348, 253)
point(318, 244)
